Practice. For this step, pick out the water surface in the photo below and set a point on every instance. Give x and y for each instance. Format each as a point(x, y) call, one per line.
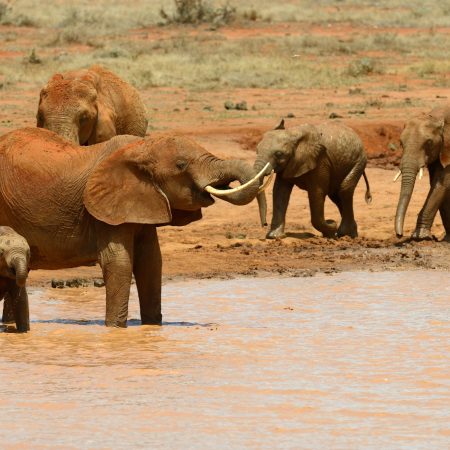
point(354, 360)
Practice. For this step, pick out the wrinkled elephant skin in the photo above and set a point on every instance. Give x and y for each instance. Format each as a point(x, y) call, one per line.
point(91, 106)
point(76, 206)
point(324, 160)
point(426, 143)
point(14, 261)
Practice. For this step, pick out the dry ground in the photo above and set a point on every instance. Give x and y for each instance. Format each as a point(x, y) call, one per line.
point(373, 66)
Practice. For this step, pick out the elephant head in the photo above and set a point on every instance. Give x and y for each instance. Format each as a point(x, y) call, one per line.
point(288, 152)
point(425, 140)
point(14, 256)
point(163, 179)
point(69, 106)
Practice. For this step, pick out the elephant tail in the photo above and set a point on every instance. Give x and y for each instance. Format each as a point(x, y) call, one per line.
point(368, 195)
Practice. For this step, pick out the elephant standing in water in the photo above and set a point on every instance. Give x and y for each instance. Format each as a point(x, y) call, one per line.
point(76, 206)
point(14, 259)
point(426, 143)
point(324, 160)
point(90, 106)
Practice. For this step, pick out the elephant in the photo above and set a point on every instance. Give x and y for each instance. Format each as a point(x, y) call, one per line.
point(90, 106)
point(425, 140)
point(14, 260)
point(325, 160)
point(76, 206)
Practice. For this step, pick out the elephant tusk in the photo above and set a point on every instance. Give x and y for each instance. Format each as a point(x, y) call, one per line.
point(420, 173)
point(397, 176)
point(266, 182)
point(223, 193)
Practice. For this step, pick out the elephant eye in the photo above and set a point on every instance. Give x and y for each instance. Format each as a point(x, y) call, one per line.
point(429, 142)
point(279, 154)
point(181, 164)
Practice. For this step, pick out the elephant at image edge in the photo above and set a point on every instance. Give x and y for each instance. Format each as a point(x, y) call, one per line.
point(324, 160)
point(14, 259)
point(76, 206)
point(90, 106)
point(426, 143)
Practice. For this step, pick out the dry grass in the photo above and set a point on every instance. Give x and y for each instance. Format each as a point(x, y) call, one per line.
point(89, 32)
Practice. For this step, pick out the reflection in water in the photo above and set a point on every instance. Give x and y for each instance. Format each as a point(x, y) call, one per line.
point(355, 360)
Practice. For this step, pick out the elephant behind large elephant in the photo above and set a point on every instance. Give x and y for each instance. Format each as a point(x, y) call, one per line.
point(325, 160)
point(426, 143)
point(90, 106)
point(76, 207)
point(14, 260)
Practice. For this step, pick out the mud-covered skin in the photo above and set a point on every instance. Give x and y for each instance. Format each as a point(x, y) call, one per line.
point(14, 261)
point(426, 143)
point(325, 160)
point(90, 106)
point(76, 206)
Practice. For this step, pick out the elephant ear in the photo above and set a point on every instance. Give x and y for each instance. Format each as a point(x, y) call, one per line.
point(444, 155)
point(307, 147)
point(122, 189)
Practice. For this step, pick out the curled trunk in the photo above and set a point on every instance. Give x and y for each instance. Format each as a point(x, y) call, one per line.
point(409, 173)
point(225, 172)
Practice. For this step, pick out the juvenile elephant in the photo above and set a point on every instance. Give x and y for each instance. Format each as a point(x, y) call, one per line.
point(76, 206)
point(426, 143)
point(14, 259)
point(324, 160)
point(90, 106)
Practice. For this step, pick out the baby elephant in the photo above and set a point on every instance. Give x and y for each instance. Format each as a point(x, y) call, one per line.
point(324, 160)
point(14, 260)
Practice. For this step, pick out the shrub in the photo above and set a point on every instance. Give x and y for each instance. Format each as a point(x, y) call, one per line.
point(198, 11)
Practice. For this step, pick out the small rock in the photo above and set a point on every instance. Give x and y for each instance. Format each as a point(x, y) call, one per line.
point(208, 108)
point(334, 115)
point(57, 284)
point(241, 106)
point(392, 146)
point(290, 115)
point(229, 105)
point(99, 283)
point(76, 282)
point(355, 91)
point(357, 111)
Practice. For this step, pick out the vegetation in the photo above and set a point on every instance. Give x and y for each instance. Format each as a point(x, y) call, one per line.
point(125, 37)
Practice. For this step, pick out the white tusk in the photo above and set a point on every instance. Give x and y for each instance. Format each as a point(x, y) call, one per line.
point(396, 176)
point(420, 173)
point(222, 193)
point(266, 182)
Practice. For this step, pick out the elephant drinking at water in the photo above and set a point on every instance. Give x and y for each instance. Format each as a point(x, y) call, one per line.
point(76, 206)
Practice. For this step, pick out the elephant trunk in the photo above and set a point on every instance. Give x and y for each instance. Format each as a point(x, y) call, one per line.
point(409, 171)
point(261, 197)
point(63, 127)
point(231, 170)
point(19, 264)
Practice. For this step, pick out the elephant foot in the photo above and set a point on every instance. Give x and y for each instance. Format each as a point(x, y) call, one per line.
point(277, 233)
point(328, 228)
point(351, 230)
point(147, 320)
point(115, 324)
point(422, 234)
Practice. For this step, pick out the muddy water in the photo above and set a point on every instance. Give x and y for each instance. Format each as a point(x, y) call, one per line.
point(354, 360)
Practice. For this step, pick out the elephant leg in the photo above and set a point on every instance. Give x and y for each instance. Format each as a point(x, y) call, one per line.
point(445, 215)
point(427, 214)
point(8, 311)
point(115, 249)
point(147, 272)
point(316, 203)
point(348, 225)
point(19, 300)
point(281, 195)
